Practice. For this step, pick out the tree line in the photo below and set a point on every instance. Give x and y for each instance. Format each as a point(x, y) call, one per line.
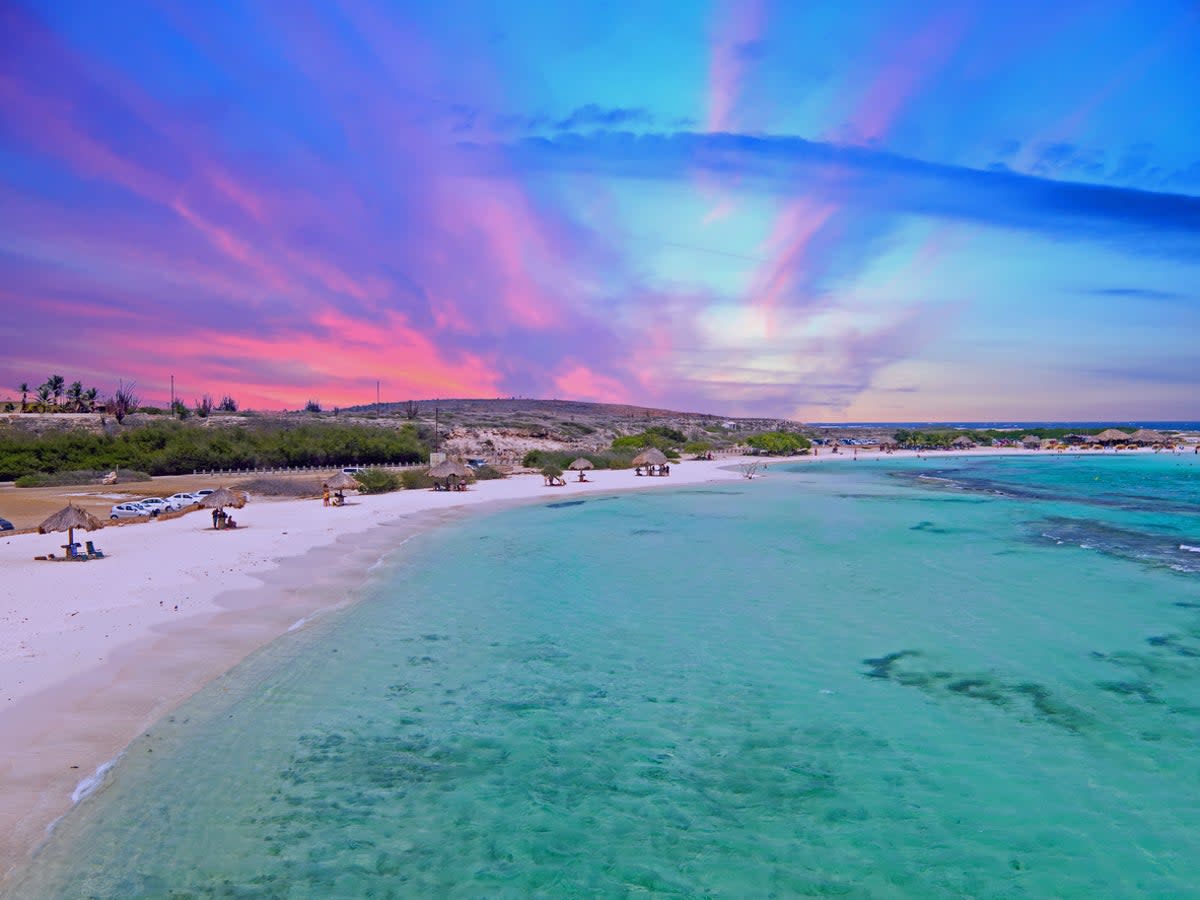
point(172, 448)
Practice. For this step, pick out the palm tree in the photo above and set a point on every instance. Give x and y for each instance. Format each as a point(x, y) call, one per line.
point(56, 384)
point(43, 395)
point(89, 398)
point(24, 389)
point(75, 395)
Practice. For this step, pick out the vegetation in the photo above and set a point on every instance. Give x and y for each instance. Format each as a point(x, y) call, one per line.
point(312, 406)
point(377, 481)
point(81, 476)
point(659, 436)
point(50, 395)
point(697, 448)
point(488, 473)
point(416, 479)
point(942, 438)
point(227, 404)
point(779, 442)
point(123, 401)
point(614, 459)
point(172, 448)
point(204, 406)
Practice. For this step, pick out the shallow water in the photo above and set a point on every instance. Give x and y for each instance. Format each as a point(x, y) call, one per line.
point(843, 680)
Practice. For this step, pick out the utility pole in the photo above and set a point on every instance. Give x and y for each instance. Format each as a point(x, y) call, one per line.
point(435, 427)
point(377, 405)
point(172, 393)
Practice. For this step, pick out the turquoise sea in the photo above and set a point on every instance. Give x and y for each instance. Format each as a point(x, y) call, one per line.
point(936, 678)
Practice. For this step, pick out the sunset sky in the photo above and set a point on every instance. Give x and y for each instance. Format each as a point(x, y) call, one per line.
point(828, 212)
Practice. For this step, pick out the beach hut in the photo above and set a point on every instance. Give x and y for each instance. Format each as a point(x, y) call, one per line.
point(1147, 436)
point(450, 475)
point(962, 442)
point(68, 519)
point(1112, 436)
point(218, 500)
point(343, 482)
point(653, 460)
point(1031, 442)
point(581, 465)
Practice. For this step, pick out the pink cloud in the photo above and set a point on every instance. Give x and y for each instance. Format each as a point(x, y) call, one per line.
point(737, 26)
point(580, 382)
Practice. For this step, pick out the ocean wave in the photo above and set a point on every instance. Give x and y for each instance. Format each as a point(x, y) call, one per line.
point(1189, 548)
point(90, 784)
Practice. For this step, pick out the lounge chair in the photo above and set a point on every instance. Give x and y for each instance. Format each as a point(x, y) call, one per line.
point(92, 552)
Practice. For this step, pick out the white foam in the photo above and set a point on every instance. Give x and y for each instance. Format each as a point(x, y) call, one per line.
point(91, 783)
point(1189, 548)
point(299, 623)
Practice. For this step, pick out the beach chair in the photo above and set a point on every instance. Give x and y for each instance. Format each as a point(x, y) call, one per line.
point(92, 552)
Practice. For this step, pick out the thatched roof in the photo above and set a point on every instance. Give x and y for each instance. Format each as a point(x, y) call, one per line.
point(1111, 435)
point(1031, 439)
point(651, 457)
point(1147, 436)
point(962, 441)
point(70, 517)
point(223, 497)
point(343, 482)
point(450, 468)
point(581, 464)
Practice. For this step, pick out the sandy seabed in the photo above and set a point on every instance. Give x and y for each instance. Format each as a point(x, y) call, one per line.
point(92, 654)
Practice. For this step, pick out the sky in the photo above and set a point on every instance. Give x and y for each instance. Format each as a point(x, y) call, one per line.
point(858, 211)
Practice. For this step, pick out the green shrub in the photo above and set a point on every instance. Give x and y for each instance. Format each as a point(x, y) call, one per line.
point(488, 473)
point(377, 481)
point(779, 442)
point(60, 479)
point(416, 479)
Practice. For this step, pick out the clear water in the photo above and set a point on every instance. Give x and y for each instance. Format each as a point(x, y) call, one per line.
point(928, 679)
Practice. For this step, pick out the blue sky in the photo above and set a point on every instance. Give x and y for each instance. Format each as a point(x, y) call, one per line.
point(825, 212)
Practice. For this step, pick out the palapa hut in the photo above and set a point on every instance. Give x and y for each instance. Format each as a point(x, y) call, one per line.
point(1147, 436)
point(450, 475)
point(1031, 442)
point(962, 442)
point(218, 500)
point(1112, 436)
point(68, 519)
point(653, 460)
point(343, 482)
point(581, 465)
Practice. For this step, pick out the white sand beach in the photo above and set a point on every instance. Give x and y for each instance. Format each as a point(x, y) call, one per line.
point(91, 654)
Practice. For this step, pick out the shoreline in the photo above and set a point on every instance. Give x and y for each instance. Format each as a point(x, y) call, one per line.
point(104, 651)
point(93, 655)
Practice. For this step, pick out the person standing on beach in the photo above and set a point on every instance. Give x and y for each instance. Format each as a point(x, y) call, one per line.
point(325, 495)
point(216, 516)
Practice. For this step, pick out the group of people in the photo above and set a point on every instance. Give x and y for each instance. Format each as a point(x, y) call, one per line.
point(664, 469)
point(450, 484)
point(337, 498)
point(222, 519)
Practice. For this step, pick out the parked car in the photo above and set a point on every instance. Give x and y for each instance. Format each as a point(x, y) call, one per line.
point(203, 492)
point(353, 470)
point(183, 499)
point(6, 525)
point(156, 505)
point(128, 511)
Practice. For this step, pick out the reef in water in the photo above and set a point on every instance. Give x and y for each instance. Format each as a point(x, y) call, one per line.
point(1019, 696)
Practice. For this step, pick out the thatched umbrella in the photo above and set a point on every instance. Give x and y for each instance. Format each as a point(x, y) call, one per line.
point(223, 497)
point(1147, 436)
point(580, 465)
point(68, 519)
point(1112, 436)
point(343, 482)
point(450, 469)
point(651, 457)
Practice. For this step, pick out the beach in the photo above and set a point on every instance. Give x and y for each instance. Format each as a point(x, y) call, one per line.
point(92, 655)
